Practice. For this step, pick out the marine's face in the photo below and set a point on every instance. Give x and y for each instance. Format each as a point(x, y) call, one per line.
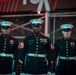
point(6, 31)
point(37, 29)
point(66, 34)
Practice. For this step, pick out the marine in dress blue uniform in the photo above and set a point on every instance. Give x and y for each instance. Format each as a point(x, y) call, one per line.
point(65, 50)
point(8, 49)
point(37, 51)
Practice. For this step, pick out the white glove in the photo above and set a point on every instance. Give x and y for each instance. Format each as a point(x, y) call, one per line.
point(22, 74)
point(14, 73)
point(48, 73)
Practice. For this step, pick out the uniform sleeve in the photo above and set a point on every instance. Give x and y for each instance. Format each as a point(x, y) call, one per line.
point(50, 57)
point(56, 49)
point(56, 55)
point(22, 54)
point(16, 56)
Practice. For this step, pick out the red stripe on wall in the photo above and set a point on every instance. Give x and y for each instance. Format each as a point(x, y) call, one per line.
point(16, 5)
point(12, 5)
point(4, 6)
point(1, 3)
point(49, 2)
point(4, 0)
point(54, 7)
point(8, 6)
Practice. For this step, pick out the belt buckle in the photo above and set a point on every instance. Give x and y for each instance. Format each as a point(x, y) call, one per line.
point(3, 54)
point(66, 58)
point(35, 55)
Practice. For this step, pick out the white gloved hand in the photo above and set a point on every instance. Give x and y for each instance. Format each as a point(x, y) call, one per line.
point(22, 74)
point(14, 73)
point(48, 73)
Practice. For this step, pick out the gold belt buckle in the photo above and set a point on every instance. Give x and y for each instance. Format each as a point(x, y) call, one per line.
point(66, 58)
point(3, 54)
point(35, 55)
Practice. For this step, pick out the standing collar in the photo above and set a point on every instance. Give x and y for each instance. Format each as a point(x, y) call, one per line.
point(67, 38)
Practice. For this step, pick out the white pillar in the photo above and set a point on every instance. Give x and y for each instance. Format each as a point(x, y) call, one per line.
point(46, 23)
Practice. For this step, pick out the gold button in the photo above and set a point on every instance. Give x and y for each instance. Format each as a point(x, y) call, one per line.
point(4, 49)
point(37, 42)
point(67, 55)
point(36, 52)
point(4, 46)
point(36, 48)
point(66, 52)
point(36, 37)
point(66, 46)
point(36, 45)
point(66, 41)
point(66, 49)
point(5, 38)
point(35, 55)
point(4, 43)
